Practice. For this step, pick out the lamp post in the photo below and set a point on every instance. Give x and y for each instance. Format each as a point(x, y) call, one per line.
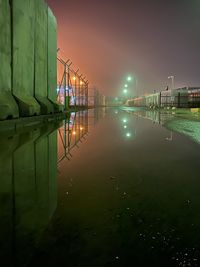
point(172, 78)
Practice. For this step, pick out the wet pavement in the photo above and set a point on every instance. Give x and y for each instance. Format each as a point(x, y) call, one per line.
point(108, 187)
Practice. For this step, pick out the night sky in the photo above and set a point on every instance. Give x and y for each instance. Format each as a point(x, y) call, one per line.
point(150, 40)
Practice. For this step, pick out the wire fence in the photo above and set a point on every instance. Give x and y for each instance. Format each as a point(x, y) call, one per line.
point(73, 87)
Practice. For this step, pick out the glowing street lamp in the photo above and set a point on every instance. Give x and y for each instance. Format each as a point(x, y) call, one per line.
point(125, 91)
point(129, 78)
point(126, 85)
point(128, 135)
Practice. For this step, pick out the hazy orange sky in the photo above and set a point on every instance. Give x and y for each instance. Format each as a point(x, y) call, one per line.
point(150, 40)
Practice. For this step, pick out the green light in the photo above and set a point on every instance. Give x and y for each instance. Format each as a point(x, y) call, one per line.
point(125, 91)
point(129, 78)
point(125, 126)
point(126, 85)
point(128, 135)
point(125, 120)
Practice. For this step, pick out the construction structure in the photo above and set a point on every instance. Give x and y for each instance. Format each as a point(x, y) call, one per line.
point(28, 56)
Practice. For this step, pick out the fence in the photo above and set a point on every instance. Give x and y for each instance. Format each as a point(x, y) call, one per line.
point(180, 101)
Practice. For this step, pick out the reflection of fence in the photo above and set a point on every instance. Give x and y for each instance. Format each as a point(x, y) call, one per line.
point(72, 133)
point(75, 129)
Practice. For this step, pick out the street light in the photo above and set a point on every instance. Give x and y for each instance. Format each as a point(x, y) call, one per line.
point(128, 135)
point(126, 85)
point(172, 78)
point(125, 91)
point(129, 78)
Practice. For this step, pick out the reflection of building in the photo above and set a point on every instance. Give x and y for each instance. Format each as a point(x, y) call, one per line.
point(153, 115)
point(28, 191)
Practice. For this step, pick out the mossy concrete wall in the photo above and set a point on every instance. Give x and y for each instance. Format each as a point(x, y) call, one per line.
point(23, 17)
point(8, 105)
point(28, 55)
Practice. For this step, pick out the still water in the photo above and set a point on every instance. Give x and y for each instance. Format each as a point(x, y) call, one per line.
point(106, 187)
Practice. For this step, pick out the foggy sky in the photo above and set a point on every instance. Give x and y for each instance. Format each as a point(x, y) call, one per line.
point(148, 39)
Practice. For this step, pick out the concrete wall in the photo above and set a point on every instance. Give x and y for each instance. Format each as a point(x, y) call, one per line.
point(23, 16)
point(8, 106)
point(52, 58)
point(41, 57)
point(28, 51)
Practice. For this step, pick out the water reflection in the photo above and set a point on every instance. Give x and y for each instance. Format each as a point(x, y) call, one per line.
point(155, 116)
point(28, 191)
point(188, 125)
point(73, 131)
point(28, 181)
point(129, 195)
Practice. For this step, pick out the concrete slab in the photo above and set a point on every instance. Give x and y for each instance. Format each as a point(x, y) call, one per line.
point(46, 107)
point(8, 105)
point(23, 14)
point(41, 57)
point(58, 108)
point(52, 61)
